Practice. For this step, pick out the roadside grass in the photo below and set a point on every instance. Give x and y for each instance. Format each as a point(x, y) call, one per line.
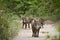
point(58, 28)
point(55, 37)
point(47, 36)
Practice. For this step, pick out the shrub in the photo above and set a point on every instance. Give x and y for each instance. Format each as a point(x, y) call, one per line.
point(9, 26)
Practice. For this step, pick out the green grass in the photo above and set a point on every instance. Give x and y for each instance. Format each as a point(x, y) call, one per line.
point(58, 28)
point(9, 26)
point(56, 37)
point(48, 36)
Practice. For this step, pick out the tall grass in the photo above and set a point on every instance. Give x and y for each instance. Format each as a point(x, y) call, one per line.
point(9, 26)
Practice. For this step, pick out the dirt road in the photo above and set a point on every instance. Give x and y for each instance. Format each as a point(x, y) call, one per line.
point(26, 34)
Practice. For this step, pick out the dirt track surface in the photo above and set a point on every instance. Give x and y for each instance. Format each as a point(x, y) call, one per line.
point(26, 34)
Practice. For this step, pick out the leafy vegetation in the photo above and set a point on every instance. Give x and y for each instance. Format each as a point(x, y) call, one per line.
point(48, 9)
point(9, 26)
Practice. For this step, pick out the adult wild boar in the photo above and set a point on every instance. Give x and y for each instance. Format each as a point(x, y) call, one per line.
point(26, 22)
point(37, 23)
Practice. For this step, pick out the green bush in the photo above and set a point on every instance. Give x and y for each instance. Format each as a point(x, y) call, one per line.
point(9, 26)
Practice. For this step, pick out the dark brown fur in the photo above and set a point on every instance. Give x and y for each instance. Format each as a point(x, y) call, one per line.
point(26, 21)
point(36, 26)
